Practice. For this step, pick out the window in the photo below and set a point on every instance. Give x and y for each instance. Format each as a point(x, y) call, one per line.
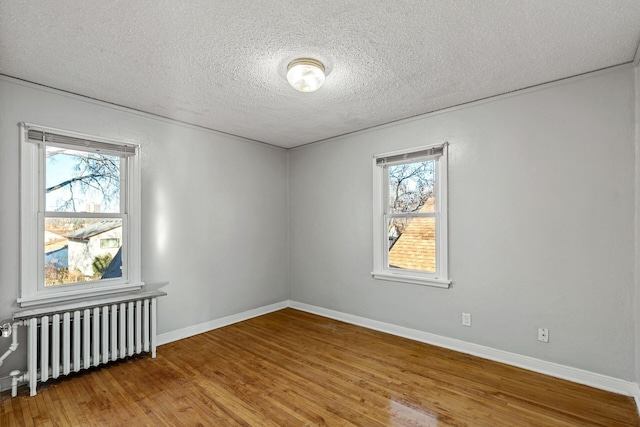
point(410, 216)
point(109, 243)
point(80, 212)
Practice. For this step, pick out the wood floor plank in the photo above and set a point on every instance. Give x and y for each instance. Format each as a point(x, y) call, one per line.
point(291, 368)
point(335, 384)
point(9, 415)
point(551, 391)
point(385, 385)
point(66, 406)
point(244, 373)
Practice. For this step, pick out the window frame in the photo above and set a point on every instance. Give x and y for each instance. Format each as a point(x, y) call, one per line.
point(32, 216)
point(381, 269)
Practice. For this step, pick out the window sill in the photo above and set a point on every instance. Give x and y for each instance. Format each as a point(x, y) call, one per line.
point(415, 280)
point(87, 304)
point(76, 294)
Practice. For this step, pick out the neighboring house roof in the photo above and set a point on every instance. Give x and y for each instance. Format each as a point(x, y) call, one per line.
point(54, 246)
point(56, 251)
point(53, 241)
point(114, 269)
point(87, 232)
point(415, 249)
point(52, 237)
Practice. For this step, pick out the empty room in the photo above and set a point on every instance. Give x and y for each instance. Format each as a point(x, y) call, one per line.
point(339, 213)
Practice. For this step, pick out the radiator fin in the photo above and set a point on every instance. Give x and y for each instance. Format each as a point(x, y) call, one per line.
point(44, 343)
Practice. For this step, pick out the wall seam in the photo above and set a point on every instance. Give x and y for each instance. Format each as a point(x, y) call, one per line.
point(636, 270)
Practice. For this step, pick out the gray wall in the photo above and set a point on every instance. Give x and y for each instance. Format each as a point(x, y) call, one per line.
point(541, 203)
point(213, 208)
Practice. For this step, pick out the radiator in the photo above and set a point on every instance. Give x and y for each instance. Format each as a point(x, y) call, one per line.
point(70, 339)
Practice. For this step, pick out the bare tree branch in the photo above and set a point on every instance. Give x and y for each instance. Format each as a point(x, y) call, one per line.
point(94, 171)
point(410, 186)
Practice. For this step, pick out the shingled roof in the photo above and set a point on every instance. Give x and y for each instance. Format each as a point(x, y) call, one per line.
point(89, 231)
point(415, 249)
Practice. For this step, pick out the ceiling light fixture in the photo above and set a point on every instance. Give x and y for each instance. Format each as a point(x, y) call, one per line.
point(305, 74)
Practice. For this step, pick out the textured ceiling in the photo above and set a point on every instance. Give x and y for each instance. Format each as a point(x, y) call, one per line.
point(222, 64)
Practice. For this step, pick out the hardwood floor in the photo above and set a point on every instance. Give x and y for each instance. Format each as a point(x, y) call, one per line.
point(291, 368)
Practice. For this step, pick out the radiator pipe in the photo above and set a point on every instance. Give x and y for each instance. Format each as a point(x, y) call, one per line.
point(15, 375)
point(14, 342)
point(16, 378)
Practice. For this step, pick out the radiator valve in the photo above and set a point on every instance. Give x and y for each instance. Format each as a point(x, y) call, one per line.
point(6, 330)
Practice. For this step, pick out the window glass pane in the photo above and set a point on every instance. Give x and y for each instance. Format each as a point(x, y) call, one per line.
point(80, 181)
point(410, 186)
point(412, 243)
point(74, 251)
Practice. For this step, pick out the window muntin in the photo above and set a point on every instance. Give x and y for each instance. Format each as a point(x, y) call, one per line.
point(410, 218)
point(80, 214)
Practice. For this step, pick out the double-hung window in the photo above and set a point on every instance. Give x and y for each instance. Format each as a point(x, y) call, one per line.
point(80, 216)
point(410, 216)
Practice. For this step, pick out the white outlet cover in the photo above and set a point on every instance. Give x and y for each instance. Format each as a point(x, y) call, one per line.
point(543, 334)
point(466, 319)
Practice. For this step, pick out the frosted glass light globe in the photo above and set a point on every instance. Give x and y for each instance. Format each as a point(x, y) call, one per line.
point(305, 74)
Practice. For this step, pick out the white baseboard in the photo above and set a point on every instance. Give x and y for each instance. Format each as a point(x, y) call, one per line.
point(580, 376)
point(5, 383)
point(219, 323)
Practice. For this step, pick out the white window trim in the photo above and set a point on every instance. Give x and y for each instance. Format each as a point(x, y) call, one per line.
point(380, 239)
point(32, 226)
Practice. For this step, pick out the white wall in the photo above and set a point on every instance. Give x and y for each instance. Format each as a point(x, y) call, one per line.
point(213, 208)
point(541, 224)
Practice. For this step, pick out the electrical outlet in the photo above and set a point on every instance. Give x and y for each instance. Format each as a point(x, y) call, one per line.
point(466, 319)
point(543, 334)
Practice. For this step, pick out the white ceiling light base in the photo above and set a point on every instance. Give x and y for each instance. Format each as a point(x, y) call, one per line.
point(305, 74)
